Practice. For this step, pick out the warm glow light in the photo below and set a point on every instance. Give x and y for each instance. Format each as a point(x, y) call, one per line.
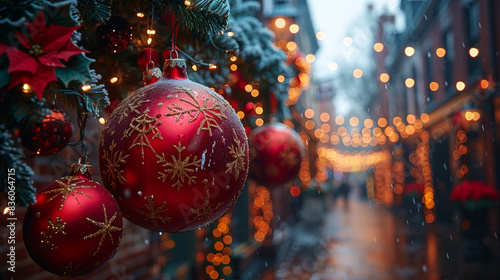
point(409, 82)
point(113, 80)
point(409, 51)
point(187, 2)
point(291, 46)
point(195, 68)
point(140, 15)
point(230, 33)
point(354, 121)
point(368, 123)
point(325, 127)
point(150, 40)
point(86, 87)
point(281, 78)
point(309, 124)
point(26, 88)
point(309, 113)
point(424, 117)
point(382, 122)
point(396, 121)
point(433, 86)
point(378, 47)
point(469, 116)
point(294, 28)
point(324, 117)
point(485, 84)
point(102, 121)
point(248, 88)
point(259, 122)
point(234, 67)
point(233, 58)
point(473, 52)
point(339, 120)
point(384, 77)
point(280, 22)
point(460, 85)
point(440, 52)
point(476, 116)
point(348, 41)
point(320, 35)
point(411, 119)
point(259, 110)
point(357, 73)
point(332, 66)
point(310, 58)
point(6, 210)
point(212, 66)
point(240, 114)
point(254, 93)
point(295, 191)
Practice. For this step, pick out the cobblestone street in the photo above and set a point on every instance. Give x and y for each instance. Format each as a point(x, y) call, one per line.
point(366, 241)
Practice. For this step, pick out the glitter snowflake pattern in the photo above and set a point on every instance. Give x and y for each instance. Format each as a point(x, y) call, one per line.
point(210, 113)
point(71, 269)
point(105, 229)
point(143, 125)
point(66, 189)
point(113, 170)
point(130, 106)
point(237, 152)
point(154, 215)
point(57, 227)
point(46, 241)
point(178, 168)
point(206, 210)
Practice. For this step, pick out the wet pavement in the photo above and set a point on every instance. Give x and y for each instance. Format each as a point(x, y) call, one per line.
point(367, 241)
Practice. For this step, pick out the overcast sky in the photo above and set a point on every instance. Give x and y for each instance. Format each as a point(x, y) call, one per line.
point(334, 18)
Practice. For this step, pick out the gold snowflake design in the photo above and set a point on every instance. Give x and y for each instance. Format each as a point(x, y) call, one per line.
point(57, 227)
point(237, 153)
point(154, 215)
point(113, 170)
point(46, 241)
point(210, 113)
point(206, 210)
point(178, 168)
point(143, 124)
point(71, 269)
point(105, 228)
point(130, 106)
point(68, 188)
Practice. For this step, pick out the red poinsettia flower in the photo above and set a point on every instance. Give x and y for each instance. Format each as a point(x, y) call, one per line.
point(413, 187)
point(39, 53)
point(473, 191)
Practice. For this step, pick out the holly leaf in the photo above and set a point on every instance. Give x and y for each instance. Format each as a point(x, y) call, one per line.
point(77, 68)
point(207, 16)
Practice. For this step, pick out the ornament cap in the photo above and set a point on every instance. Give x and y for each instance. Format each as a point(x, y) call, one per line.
point(82, 169)
point(175, 68)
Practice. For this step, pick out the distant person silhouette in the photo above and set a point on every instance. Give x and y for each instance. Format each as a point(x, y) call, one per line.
point(344, 190)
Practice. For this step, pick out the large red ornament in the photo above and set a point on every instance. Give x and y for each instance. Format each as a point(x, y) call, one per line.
point(276, 153)
point(75, 226)
point(47, 135)
point(174, 153)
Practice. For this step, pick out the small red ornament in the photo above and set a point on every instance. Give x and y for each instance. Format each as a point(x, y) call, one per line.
point(152, 76)
point(276, 153)
point(49, 134)
point(174, 153)
point(114, 35)
point(148, 59)
point(75, 226)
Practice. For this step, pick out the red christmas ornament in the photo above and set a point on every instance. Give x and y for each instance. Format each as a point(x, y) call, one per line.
point(47, 135)
point(114, 35)
point(75, 226)
point(148, 59)
point(174, 153)
point(151, 76)
point(276, 153)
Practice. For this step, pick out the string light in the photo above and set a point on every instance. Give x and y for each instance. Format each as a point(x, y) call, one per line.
point(27, 88)
point(212, 66)
point(333, 66)
point(86, 87)
point(357, 73)
point(254, 92)
point(294, 28)
point(281, 78)
point(320, 35)
point(140, 15)
point(230, 33)
point(113, 80)
point(409, 82)
point(384, 77)
point(102, 121)
point(259, 122)
point(440, 52)
point(473, 52)
point(460, 85)
point(309, 113)
point(409, 51)
point(378, 47)
point(433, 86)
point(280, 23)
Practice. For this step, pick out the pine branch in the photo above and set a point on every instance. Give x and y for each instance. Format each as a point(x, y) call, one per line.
point(207, 16)
point(94, 12)
point(17, 13)
point(17, 108)
point(13, 170)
